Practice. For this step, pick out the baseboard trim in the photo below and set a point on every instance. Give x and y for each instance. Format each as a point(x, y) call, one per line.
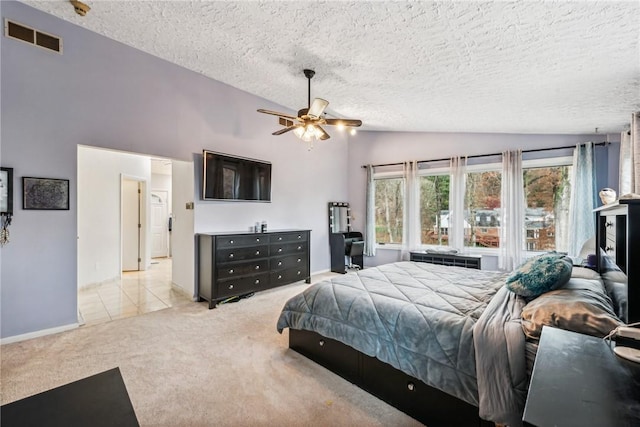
point(37, 334)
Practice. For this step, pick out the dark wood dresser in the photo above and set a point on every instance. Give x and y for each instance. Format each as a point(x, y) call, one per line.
point(234, 264)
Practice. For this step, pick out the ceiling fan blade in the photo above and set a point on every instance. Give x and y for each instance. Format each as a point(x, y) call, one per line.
point(344, 122)
point(323, 135)
point(275, 113)
point(285, 130)
point(317, 108)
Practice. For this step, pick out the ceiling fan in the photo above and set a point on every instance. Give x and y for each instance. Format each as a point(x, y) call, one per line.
point(307, 124)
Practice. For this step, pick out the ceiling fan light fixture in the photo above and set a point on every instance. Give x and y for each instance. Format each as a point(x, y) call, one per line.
point(309, 122)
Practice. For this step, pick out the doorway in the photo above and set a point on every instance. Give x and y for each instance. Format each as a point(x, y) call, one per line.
point(125, 264)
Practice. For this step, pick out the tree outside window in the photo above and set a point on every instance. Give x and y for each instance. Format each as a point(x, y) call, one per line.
point(389, 200)
point(434, 209)
point(482, 209)
point(547, 192)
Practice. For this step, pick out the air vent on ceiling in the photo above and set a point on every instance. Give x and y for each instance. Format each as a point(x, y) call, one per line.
point(26, 34)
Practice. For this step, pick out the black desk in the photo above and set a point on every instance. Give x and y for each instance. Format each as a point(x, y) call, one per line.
point(577, 380)
point(100, 400)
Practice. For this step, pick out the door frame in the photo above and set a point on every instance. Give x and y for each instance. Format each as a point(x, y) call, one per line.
point(143, 244)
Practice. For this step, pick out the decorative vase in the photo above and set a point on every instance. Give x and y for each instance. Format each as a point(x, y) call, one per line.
point(607, 195)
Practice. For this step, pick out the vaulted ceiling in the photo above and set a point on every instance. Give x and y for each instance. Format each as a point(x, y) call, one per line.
point(498, 66)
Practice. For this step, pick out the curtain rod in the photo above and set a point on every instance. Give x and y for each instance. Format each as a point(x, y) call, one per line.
point(477, 156)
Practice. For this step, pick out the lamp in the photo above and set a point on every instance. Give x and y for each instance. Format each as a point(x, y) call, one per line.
point(308, 133)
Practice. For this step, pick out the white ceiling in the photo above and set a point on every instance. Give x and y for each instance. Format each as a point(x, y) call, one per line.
point(521, 67)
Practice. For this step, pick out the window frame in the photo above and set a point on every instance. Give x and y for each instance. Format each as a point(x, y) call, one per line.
point(490, 166)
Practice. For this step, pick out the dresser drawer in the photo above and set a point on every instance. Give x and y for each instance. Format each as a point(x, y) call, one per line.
point(239, 254)
point(228, 270)
point(233, 241)
point(289, 261)
point(288, 248)
point(296, 236)
point(290, 275)
point(242, 285)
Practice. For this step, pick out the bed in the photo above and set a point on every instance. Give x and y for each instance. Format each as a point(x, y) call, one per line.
point(447, 345)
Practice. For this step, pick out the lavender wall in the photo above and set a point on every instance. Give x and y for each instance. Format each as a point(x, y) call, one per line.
point(105, 94)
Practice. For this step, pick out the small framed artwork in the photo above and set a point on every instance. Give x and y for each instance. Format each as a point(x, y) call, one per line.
point(45, 193)
point(6, 191)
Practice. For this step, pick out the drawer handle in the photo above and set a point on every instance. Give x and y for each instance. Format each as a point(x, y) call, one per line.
point(411, 386)
point(279, 238)
point(279, 262)
point(608, 224)
point(257, 252)
point(231, 242)
point(279, 249)
point(231, 255)
point(299, 247)
point(321, 343)
point(299, 259)
point(230, 286)
point(299, 273)
point(257, 239)
point(231, 271)
point(299, 236)
point(279, 276)
point(257, 267)
point(257, 281)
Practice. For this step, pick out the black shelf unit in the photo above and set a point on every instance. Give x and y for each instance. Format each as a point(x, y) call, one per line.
point(456, 260)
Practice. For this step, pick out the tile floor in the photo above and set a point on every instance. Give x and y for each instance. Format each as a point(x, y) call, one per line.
point(138, 292)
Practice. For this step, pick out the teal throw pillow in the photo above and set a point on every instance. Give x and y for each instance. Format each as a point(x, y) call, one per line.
point(540, 274)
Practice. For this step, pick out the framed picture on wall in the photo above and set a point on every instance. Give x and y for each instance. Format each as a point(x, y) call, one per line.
point(45, 193)
point(6, 191)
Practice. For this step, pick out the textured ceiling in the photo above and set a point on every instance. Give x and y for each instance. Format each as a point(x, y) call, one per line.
point(521, 67)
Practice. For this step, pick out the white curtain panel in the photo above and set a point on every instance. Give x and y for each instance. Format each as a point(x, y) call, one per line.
point(457, 185)
point(370, 225)
point(512, 212)
point(411, 228)
point(581, 205)
point(626, 182)
point(635, 143)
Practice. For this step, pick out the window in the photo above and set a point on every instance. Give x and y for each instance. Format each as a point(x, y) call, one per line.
point(482, 209)
point(389, 201)
point(434, 209)
point(547, 190)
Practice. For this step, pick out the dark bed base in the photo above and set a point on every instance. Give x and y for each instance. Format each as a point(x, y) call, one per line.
point(426, 404)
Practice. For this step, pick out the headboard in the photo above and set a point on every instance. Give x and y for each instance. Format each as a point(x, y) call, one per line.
point(618, 254)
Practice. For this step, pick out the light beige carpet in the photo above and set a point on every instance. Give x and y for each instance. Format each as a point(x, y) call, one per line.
point(190, 366)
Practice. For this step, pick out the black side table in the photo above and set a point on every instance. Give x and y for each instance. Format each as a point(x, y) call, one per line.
point(577, 380)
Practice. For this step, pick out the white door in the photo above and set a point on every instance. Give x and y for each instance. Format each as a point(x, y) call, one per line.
point(159, 224)
point(130, 225)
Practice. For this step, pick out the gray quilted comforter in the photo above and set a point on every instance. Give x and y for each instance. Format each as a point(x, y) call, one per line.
point(420, 319)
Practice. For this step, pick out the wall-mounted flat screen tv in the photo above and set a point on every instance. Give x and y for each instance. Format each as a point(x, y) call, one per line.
point(227, 177)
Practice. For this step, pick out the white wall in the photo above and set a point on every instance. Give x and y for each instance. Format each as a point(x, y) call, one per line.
point(182, 238)
point(99, 210)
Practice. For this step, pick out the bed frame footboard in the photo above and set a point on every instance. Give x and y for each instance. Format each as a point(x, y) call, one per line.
point(426, 404)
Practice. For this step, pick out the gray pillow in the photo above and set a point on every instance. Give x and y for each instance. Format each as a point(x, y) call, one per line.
point(581, 305)
point(540, 274)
